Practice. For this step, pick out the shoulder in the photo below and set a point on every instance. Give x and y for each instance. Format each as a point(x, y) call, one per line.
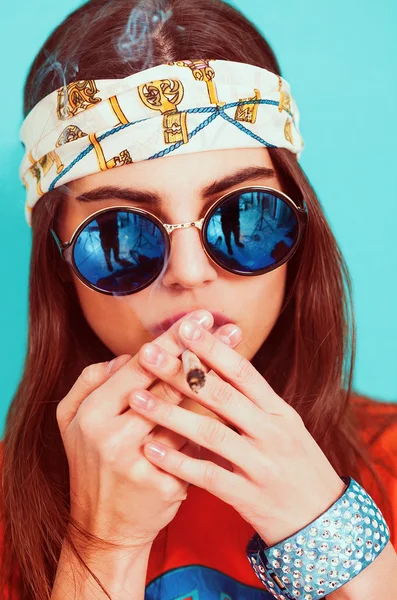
point(377, 422)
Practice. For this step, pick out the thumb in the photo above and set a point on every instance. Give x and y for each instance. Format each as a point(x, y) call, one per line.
point(91, 377)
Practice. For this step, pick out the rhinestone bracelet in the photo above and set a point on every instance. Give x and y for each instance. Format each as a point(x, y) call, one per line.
point(325, 554)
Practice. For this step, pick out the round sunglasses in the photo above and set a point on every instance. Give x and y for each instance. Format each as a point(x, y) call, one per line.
point(249, 231)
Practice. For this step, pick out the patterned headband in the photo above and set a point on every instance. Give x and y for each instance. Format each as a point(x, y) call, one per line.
point(182, 107)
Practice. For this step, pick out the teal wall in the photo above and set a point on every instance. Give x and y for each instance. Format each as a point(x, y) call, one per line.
point(340, 59)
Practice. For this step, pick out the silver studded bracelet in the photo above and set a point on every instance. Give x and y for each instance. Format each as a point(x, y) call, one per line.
point(327, 553)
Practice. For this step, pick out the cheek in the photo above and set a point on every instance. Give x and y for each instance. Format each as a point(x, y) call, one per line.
point(262, 299)
point(114, 321)
point(117, 324)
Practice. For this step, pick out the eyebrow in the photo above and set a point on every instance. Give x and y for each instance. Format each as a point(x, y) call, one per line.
point(135, 195)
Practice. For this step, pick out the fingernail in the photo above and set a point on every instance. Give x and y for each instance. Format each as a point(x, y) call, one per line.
point(231, 337)
point(155, 451)
point(154, 354)
point(142, 399)
point(109, 367)
point(190, 331)
point(203, 318)
point(117, 362)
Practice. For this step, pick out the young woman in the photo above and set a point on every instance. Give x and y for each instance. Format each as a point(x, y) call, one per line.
point(271, 478)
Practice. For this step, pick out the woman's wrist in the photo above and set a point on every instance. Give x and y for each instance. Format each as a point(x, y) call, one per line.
point(326, 554)
point(121, 571)
point(378, 580)
point(293, 522)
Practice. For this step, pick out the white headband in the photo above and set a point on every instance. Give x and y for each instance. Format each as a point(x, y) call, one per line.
point(176, 108)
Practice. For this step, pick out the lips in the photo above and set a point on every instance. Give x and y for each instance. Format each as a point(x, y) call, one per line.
point(219, 319)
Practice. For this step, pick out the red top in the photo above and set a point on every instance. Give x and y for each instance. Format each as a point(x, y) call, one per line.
point(200, 555)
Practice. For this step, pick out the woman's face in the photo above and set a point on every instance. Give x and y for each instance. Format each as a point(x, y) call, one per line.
point(190, 280)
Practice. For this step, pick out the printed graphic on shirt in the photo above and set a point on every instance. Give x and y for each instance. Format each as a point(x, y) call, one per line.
point(196, 582)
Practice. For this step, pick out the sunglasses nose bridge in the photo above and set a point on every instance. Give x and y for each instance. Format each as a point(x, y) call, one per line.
point(169, 228)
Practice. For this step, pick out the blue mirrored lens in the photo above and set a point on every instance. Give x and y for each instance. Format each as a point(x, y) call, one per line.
point(120, 251)
point(251, 231)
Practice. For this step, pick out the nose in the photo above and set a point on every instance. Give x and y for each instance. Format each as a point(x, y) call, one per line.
point(188, 264)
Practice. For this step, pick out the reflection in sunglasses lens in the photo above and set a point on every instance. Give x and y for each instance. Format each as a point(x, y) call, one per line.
point(251, 231)
point(120, 251)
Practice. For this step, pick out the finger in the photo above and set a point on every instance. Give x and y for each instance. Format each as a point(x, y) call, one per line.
point(228, 486)
point(217, 395)
point(171, 365)
point(189, 449)
point(169, 438)
point(91, 378)
point(149, 432)
point(233, 367)
point(170, 369)
point(221, 398)
point(205, 431)
point(110, 400)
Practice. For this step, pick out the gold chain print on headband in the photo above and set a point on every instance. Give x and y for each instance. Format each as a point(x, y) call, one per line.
point(35, 171)
point(285, 104)
point(42, 166)
point(71, 99)
point(124, 157)
point(248, 112)
point(88, 126)
point(116, 108)
point(164, 95)
point(79, 96)
point(202, 72)
point(69, 134)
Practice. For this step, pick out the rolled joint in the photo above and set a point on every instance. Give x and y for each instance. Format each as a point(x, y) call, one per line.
point(193, 370)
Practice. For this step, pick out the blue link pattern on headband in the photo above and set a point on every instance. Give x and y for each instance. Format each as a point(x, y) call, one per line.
point(190, 135)
point(245, 130)
point(215, 112)
point(89, 148)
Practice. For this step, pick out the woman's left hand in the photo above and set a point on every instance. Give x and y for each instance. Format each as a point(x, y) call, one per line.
point(280, 480)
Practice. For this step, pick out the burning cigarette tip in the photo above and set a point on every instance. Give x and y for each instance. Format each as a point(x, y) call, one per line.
point(193, 370)
point(196, 379)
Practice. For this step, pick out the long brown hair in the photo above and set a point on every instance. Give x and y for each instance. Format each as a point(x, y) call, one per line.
point(308, 357)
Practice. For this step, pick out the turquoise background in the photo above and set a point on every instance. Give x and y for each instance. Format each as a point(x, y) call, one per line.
point(340, 59)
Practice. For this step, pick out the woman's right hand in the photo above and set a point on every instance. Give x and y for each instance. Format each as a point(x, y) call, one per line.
point(115, 492)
